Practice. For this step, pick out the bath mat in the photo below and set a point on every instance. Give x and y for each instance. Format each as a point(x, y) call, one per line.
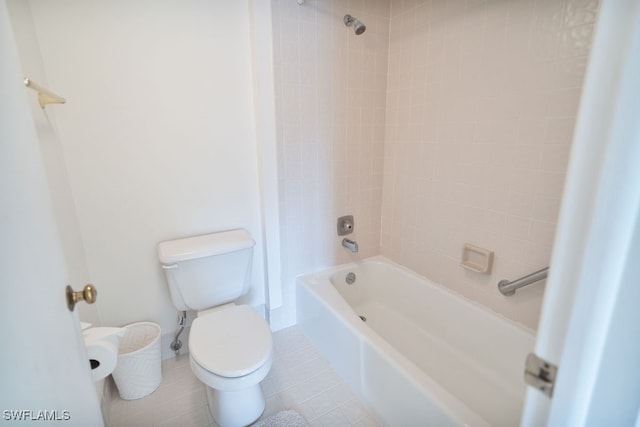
point(288, 418)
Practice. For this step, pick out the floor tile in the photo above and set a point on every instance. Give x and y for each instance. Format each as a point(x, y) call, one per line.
point(300, 379)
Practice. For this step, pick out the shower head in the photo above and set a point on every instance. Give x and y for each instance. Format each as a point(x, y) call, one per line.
point(358, 26)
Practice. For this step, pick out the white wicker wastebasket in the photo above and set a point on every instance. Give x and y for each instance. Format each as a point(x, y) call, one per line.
point(139, 368)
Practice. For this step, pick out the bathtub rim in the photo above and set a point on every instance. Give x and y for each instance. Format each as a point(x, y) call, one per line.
point(327, 273)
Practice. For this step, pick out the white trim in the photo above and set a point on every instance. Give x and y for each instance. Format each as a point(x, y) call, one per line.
point(265, 112)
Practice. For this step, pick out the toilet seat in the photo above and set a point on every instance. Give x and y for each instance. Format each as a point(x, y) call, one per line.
point(230, 343)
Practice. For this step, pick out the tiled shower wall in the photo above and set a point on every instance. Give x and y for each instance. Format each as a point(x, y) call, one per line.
point(482, 98)
point(462, 110)
point(330, 90)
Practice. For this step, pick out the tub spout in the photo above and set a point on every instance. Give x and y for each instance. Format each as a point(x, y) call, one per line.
point(350, 244)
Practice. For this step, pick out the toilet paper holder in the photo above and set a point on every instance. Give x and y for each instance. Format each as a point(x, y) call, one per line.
point(88, 294)
point(102, 344)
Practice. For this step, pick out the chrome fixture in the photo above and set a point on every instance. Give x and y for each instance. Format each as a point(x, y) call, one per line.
point(300, 2)
point(350, 244)
point(345, 225)
point(176, 344)
point(358, 26)
point(540, 374)
point(509, 288)
point(351, 278)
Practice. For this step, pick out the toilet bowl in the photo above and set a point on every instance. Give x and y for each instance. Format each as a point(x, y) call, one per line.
point(231, 352)
point(230, 345)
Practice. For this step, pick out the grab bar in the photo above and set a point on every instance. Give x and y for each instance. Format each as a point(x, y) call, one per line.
point(509, 288)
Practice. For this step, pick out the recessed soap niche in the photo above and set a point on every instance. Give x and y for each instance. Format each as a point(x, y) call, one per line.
point(476, 259)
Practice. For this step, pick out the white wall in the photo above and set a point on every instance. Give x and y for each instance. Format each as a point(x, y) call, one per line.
point(157, 133)
point(158, 136)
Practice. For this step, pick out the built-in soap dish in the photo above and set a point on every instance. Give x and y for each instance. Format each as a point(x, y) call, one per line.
point(476, 259)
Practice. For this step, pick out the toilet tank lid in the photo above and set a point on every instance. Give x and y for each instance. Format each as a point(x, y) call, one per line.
point(189, 248)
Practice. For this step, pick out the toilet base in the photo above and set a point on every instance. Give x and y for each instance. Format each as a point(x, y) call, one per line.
point(236, 408)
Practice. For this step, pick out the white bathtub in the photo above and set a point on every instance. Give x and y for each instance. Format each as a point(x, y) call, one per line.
point(425, 356)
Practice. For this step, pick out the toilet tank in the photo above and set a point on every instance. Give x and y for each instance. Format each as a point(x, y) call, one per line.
point(207, 270)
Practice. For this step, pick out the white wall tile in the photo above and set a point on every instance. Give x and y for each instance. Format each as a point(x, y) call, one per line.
point(475, 102)
point(331, 94)
point(505, 82)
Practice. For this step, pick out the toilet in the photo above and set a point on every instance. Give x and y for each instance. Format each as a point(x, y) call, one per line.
point(230, 346)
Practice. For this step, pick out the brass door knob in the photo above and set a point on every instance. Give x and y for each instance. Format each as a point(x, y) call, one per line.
point(88, 294)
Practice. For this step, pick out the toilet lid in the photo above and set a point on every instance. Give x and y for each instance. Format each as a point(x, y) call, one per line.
point(232, 342)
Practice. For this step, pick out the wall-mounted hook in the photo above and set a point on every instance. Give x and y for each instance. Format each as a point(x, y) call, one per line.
point(44, 96)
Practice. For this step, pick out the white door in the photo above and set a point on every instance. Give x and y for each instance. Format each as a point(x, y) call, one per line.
point(44, 370)
point(590, 323)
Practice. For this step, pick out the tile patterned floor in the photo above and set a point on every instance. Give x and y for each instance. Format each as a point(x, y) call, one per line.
point(300, 379)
